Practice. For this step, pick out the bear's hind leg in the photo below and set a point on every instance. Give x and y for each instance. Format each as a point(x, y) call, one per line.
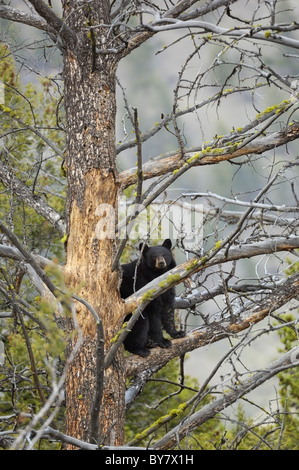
point(137, 339)
point(168, 322)
point(156, 337)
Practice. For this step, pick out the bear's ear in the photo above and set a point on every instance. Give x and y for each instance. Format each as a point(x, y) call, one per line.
point(167, 243)
point(143, 247)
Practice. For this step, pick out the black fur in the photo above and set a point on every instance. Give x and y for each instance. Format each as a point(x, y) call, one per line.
point(147, 331)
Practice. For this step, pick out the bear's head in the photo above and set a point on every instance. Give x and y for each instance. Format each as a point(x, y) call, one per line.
point(158, 258)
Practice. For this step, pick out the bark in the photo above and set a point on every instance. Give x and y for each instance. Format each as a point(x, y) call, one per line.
point(6, 442)
point(91, 175)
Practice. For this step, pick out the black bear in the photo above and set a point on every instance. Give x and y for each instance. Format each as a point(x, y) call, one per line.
point(147, 331)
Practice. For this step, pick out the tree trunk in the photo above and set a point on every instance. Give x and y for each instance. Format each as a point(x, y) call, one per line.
point(92, 192)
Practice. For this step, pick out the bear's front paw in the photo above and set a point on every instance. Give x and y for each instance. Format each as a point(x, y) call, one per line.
point(178, 334)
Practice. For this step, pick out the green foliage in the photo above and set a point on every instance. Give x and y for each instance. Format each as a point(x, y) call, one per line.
point(289, 390)
point(28, 123)
point(34, 354)
point(289, 380)
point(34, 343)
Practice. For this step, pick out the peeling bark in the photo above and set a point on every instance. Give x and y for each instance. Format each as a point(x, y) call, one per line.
point(92, 186)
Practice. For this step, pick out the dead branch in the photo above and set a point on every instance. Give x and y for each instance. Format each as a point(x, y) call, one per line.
point(286, 361)
point(183, 271)
point(24, 193)
point(211, 333)
point(161, 166)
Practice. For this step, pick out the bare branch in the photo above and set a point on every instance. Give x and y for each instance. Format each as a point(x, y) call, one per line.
point(179, 10)
point(183, 271)
point(241, 33)
point(138, 198)
point(206, 8)
point(50, 433)
point(15, 254)
point(173, 437)
point(180, 7)
point(179, 113)
point(217, 330)
point(257, 205)
point(24, 193)
point(9, 13)
point(28, 258)
point(139, 157)
point(160, 166)
point(64, 31)
point(200, 297)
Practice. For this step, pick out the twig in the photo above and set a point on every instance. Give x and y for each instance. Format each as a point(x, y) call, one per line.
point(56, 390)
point(139, 158)
point(129, 223)
point(209, 411)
